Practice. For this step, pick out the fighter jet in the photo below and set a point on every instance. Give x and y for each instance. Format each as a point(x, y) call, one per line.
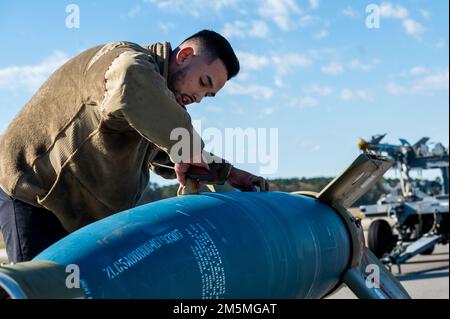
point(416, 156)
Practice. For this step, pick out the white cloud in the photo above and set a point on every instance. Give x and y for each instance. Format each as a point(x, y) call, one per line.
point(425, 13)
point(166, 26)
point(413, 28)
point(193, 7)
point(280, 12)
point(281, 65)
point(334, 68)
point(320, 90)
point(349, 12)
point(30, 77)
point(252, 61)
point(314, 4)
point(388, 10)
point(234, 30)
point(428, 84)
point(327, 54)
point(134, 11)
point(290, 60)
point(415, 71)
point(433, 82)
point(306, 20)
point(441, 44)
point(288, 63)
point(278, 81)
point(348, 94)
point(256, 91)
point(321, 35)
point(310, 145)
point(241, 29)
point(268, 111)
point(303, 101)
point(395, 89)
point(243, 76)
point(259, 29)
point(366, 67)
point(418, 70)
point(363, 94)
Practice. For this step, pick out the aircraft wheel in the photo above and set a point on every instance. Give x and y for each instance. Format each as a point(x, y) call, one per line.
point(381, 239)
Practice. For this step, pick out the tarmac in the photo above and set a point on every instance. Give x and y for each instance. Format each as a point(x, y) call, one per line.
point(423, 277)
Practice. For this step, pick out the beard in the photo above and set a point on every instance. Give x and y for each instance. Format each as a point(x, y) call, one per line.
point(175, 81)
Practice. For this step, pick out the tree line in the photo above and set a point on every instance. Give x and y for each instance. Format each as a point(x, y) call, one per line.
point(316, 184)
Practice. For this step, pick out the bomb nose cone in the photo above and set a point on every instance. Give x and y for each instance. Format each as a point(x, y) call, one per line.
point(37, 280)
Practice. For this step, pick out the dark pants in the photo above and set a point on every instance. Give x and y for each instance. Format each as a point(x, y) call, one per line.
point(27, 230)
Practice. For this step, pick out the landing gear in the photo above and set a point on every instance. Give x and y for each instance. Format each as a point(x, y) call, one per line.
point(381, 238)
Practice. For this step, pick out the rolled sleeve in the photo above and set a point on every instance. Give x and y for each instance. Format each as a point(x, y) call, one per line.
point(162, 158)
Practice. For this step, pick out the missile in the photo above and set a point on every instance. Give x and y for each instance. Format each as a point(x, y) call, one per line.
point(218, 245)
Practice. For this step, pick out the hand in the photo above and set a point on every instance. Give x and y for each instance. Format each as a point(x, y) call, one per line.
point(246, 182)
point(182, 168)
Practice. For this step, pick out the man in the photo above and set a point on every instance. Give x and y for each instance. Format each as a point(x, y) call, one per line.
point(81, 148)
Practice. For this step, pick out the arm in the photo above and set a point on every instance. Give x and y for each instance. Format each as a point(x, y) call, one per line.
point(219, 167)
point(136, 92)
point(246, 181)
point(240, 179)
point(162, 158)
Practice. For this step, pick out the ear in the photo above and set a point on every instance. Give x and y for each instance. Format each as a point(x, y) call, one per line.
point(184, 55)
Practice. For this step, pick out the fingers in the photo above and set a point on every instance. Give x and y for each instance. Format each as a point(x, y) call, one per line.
point(181, 179)
point(182, 168)
point(255, 181)
point(201, 184)
point(180, 171)
point(247, 182)
point(262, 183)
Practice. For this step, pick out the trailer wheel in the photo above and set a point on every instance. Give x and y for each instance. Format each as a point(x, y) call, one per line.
point(381, 239)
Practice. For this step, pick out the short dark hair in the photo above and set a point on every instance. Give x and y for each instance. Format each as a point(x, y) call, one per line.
point(218, 47)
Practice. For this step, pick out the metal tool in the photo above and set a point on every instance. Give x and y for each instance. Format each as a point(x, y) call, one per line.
point(194, 172)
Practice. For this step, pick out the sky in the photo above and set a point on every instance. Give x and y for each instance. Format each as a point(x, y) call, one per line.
point(316, 75)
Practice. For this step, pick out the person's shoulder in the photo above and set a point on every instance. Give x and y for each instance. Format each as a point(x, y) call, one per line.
point(155, 46)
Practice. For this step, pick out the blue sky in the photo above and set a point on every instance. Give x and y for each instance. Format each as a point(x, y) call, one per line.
point(310, 68)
